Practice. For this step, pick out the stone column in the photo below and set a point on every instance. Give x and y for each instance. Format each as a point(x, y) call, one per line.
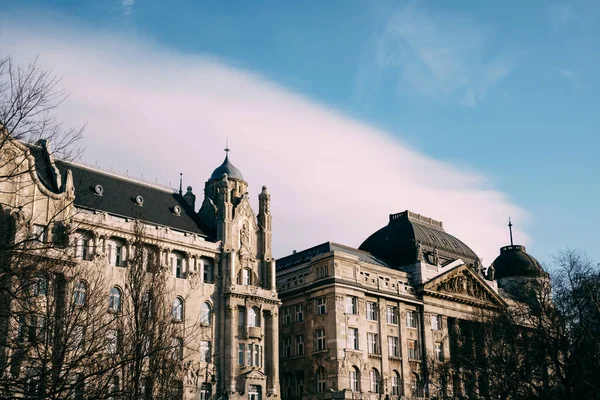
point(272, 332)
point(230, 356)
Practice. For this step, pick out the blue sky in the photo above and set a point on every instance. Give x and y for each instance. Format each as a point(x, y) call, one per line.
point(508, 90)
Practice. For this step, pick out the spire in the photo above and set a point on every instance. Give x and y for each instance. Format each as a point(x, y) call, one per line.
point(180, 183)
point(227, 150)
point(510, 225)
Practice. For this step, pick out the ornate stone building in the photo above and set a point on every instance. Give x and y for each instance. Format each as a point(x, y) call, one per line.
point(370, 323)
point(218, 256)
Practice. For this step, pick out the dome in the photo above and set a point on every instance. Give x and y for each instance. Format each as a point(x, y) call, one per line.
point(406, 232)
point(514, 261)
point(227, 168)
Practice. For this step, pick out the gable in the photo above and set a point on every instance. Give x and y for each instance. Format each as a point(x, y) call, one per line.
point(463, 285)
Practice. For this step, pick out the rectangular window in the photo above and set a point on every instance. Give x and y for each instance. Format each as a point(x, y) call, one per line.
point(299, 383)
point(411, 319)
point(205, 350)
point(320, 336)
point(241, 352)
point(321, 272)
point(392, 315)
point(179, 268)
point(177, 348)
point(351, 305)
point(321, 306)
point(287, 347)
point(78, 335)
point(287, 315)
point(439, 352)
point(393, 346)
point(353, 338)
point(373, 343)
point(436, 322)
point(299, 345)
point(86, 245)
point(208, 271)
point(413, 352)
point(256, 355)
point(287, 385)
point(118, 255)
point(114, 338)
point(249, 354)
point(299, 313)
point(39, 233)
point(371, 311)
point(241, 317)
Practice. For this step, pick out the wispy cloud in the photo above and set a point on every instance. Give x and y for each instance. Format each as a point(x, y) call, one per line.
point(443, 57)
point(157, 113)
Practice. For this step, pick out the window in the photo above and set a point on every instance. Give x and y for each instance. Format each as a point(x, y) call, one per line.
point(39, 233)
point(321, 380)
point(254, 317)
point(257, 355)
point(205, 350)
point(412, 350)
point(299, 345)
point(114, 387)
point(86, 248)
point(372, 343)
point(287, 315)
point(299, 312)
point(118, 255)
point(375, 381)
point(246, 274)
point(177, 264)
point(113, 341)
point(411, 319)
point(80, 293)
point(393, 346)
point(177, 348)
point(287, 385)
point(439, 352)
point(415, 385)
point(249, 354)
point(40, 285)
point(396, 383)
point(371, 311)
point(241, 317)
point(353, 338)
point(351, 305)
point(320, 336)
point(436, 322)
point(78, 336)
point(205, 314)
point(114, 301)
point(116, 252)
point(177, 310)
point(254, 392)
point(208, 271)
point(241, 351)
point(321, 307)
point(354, 379)
point(321, 272)
point(392, 315)
point(299, 383)
point(287, 347)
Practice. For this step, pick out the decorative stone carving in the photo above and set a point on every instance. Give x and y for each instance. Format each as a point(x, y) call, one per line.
point(490, 272)
point(244, 236)
point(436, 257)
point(194, 279)
point(419, 252)
point(192, 373)
point(462, 284)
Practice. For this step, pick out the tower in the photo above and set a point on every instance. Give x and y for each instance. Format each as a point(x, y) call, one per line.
point(246, 342)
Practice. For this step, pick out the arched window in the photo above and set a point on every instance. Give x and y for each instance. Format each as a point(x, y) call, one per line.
point(374, 377)
point(79, 294)
point(395, 383)
point(246, 277)
point(177, 311)
point(415, 385)
point(206, 314)
point(321, 380)
point(355, 379)
point(254, 317)
point(114, 301)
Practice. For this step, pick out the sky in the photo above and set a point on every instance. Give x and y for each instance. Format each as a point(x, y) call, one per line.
point(348, 111)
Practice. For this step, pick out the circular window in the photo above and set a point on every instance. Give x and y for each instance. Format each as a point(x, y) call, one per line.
point(177, 210)
point(98, 189)
point(139, 200)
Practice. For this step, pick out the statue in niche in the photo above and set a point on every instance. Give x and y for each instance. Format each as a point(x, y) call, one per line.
point(244, 236)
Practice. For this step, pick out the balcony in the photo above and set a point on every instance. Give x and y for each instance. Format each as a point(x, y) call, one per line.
point(251, 332)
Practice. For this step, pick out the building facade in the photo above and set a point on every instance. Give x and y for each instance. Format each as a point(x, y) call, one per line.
point(220, 273)
point(374, 322)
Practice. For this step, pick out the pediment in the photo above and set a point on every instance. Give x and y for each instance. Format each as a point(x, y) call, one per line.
point(243, 211)
point(255, 375)
point(462, 284)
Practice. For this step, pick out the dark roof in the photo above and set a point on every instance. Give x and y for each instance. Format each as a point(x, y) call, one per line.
point(227, 168)
point(396, 242)
point(306, 255)
point(119, 194)
point(514, 261)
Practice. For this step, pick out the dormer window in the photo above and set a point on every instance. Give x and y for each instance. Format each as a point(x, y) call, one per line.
point(139, 200)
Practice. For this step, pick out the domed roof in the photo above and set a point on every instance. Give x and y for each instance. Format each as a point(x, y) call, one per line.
point(514, 261)
point(227, 168)
point(398, 241)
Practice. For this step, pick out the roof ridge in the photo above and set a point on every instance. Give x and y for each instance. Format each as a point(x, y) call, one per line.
point(119, 175)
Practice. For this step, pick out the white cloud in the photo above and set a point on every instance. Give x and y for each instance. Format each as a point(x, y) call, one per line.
point(443, 57)
point(154, 112)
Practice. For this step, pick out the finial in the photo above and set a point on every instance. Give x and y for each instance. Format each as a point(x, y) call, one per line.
point(227, 146)
point(180, 183)
point(510, 225)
